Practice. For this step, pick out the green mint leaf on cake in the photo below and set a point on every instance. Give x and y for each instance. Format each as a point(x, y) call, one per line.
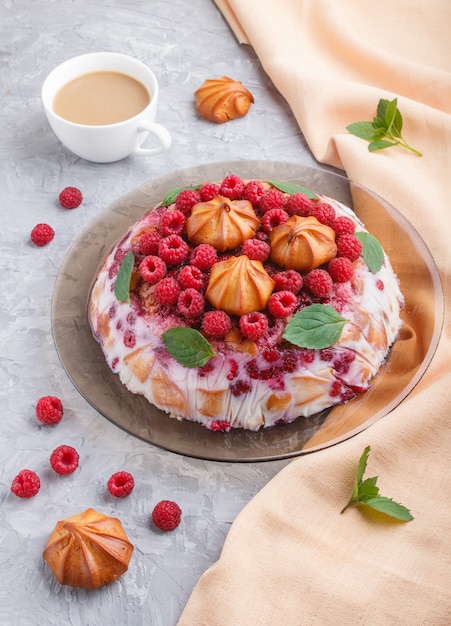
point(315, 327)
point(292, 188)
point(372, 251)
point(366, 493)
point(188, 346)
point(122, 283)
point(385, 131)
point(173, 193)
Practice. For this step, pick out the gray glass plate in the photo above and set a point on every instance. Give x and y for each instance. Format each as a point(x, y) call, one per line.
point(83, 360)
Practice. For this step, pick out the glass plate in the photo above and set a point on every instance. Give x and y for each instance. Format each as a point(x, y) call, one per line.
point(409, 358)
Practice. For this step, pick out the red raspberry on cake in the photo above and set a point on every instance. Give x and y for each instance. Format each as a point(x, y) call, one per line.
point(203, 256)
point(167, 291)
point(166, 515)
point(70, 198)
point(208, 191)
point(121, 484)
point(64, 459)
point(172, 223)
point(299, 204)
point(173, 249)
point(254, 325)
point(191, 277)
point(148, 243)
point(343, 225)
point(152, 269)
point(256, 249)
point(216, 324)
point(232, 187)
point(190, 303)
point(323, 212)
point(186, 199)
point(318, 282)
point(341, 269)
point(288, 280)
point(42, 234)
point(253, 191)
point(271, 199)
point(349, 246)
point(49, 410)
point(273, 218)
point(26, 484)
point(282, 303)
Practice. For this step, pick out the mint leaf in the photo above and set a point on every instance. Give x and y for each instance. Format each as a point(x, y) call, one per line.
point(123, 277)
point(293, 188)
point(366, 493)
point(315, 327)
point(173, 193)
point(380, 144)
point(188, 346)
point(372, 251)
point(364, 130)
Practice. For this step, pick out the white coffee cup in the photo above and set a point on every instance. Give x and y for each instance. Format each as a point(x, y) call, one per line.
point(109, 142)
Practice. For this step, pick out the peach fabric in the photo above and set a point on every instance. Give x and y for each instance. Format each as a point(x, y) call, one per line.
point(290, 557)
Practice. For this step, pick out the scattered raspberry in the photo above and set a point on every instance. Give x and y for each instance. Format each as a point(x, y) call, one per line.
point(290, 360)
point(240, 387)
point(282, 303)
point(121, 484)
point(167, 291)
point(343, 225)
point(288, 280)
point(299, 204)
point(173, 249)
point(256, 249)
point(216, 324)
point(129, 338)
point(186, 199)
point(273, 218)
point(152, 269)
point(222, 426)
point(42, 234)
point(148, 244)
point(318, 282)
point(64, 460)
point(271, 199)
point(349, 246)
point(253, 191)
point(26, 484)
point(203, 256)
point(49, 410)
point(232, 187)
point(341, 269)
point(191, 303)
point(253, 325)
point(191, 277)
point(70, 198)
point(172, 223)
point(271, 354)
point(324, 213)
point(208, 191)
point(166, 515)
point(380, 285)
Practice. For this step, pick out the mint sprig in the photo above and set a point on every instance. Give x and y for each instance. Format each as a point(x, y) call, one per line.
point(293, 188)
point(123, 277)
point(366, 493)
point(315, 327)
point(385, 129)
point(188, 346)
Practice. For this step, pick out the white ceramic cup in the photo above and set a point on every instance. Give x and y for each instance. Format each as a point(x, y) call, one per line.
point(111, 142)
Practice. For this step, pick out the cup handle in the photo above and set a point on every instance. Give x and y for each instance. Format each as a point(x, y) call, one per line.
point(160, 132)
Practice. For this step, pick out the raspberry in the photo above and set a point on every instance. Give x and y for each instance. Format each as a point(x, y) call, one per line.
point(290, 361)
point(186, 199)
point(324, 213)
point(26, 484)
point(273, 218)
point(240, 387)
point(208, 191)
point(64, 459)
point(42, 234)
point(191, 303)
point(216, 324)
point(341, 269)
point(253, 191)
point(299, 204)
point(380, 285)
point(172, 223)
point(288, 280)
point(121, 484)
point(271, 354)
point(318, 282)
point(152, 269)
point(203, 256)
point(271, 199)
point(253, 325)
point(49, 410)
point(173, 249)
point(167, 291)
point(166, 515)
point(191, 277)
point(232, 187)
point(349, 246)
point(256, 249)
point(343, 225)
point(222, 426)
point(129, 339)
point(282, 303)
point(148, 244)
point(70, 198)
